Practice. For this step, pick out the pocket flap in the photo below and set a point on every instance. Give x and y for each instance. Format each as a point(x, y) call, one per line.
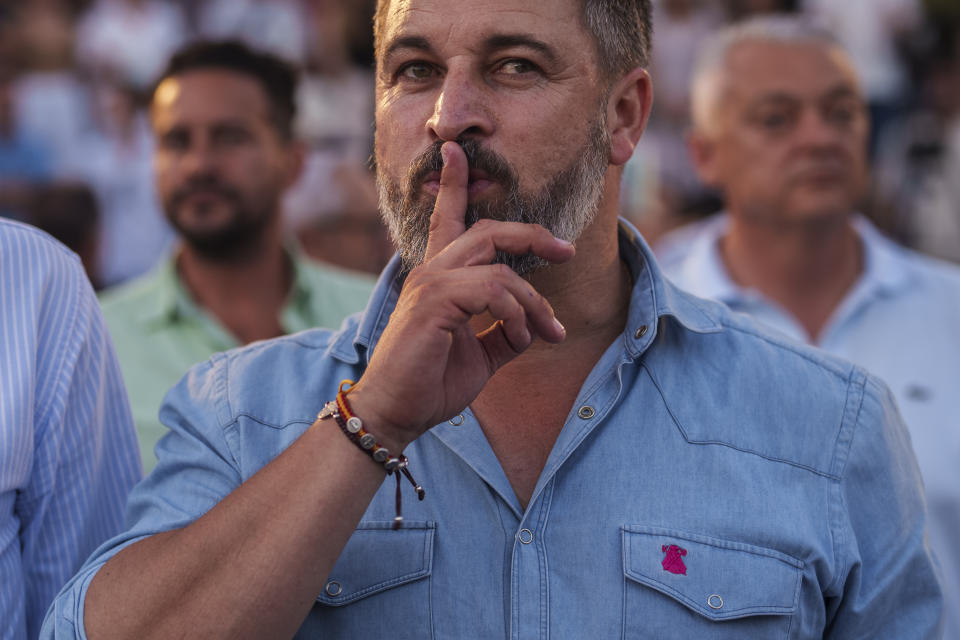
point(719, 579)
point(376, 558)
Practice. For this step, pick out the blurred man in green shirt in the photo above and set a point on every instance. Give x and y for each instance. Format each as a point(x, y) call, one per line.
point(222, 115)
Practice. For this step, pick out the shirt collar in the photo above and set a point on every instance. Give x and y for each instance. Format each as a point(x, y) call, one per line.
point(170, 300)
point(703, 272)
point(886, 267)
point(652, 298)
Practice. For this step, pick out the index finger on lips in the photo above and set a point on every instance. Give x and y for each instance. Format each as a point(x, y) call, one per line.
point(480, 245)
point(447, 221)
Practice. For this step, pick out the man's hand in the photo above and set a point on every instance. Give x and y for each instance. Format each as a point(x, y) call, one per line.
point(429, 364)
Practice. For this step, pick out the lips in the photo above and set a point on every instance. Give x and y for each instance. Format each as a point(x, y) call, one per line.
point(478, 180)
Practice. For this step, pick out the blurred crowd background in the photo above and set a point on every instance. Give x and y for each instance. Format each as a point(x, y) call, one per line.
point(75, 143)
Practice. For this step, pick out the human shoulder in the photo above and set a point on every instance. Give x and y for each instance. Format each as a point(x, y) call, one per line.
point(333, 279)
point(274, 382)
point(750, 388)
point(134, 293)
point(33, 248)
point(933, 272)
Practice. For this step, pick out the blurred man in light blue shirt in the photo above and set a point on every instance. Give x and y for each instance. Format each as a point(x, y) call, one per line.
point(68, 451)
point(780, 128)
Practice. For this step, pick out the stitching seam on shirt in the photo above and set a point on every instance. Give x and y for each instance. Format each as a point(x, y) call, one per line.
point(690, 440)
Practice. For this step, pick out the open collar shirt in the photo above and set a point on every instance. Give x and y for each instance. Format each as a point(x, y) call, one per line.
point(711, 481)
point(900, 321)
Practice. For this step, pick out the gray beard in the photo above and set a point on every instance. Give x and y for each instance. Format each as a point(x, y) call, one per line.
point(565, 206)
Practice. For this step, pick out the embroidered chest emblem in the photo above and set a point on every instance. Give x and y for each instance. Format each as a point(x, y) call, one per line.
point(673, 561)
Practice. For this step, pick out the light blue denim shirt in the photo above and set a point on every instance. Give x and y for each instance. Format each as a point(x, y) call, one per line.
point(711, 481)
point(899, 321)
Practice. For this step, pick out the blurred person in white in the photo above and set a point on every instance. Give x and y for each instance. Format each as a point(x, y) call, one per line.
point(659, 181)
point(115, 158)
point(780, 128)
point(131, 39)
point(24, 160)
point(50, 102)
point(333, 208)
point(936, 217)
point(917, 171)
point(276, 26)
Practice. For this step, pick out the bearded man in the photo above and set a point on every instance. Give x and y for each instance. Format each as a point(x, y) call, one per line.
point(651, 467)
point(225, 154)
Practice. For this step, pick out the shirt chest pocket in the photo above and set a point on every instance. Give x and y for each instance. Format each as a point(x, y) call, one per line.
point(682, 585)
point(379, 587)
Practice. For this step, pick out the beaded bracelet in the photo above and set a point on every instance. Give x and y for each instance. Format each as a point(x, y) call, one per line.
point(352, 427)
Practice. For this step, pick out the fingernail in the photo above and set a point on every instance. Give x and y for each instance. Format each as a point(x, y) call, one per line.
point(444, 154)
point(559, 327)
point(563, 243)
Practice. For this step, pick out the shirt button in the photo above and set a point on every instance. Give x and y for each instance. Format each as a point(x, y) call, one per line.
point(525, 536)
point(715, 602)
point(333, 588)
point(642, 331)
point(586, 412)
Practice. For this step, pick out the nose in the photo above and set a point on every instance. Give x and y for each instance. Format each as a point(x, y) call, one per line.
point(199, 157)
point(461, 109)
point(817, 131)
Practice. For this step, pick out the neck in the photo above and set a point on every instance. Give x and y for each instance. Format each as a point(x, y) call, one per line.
point(246, 295)
point(807, 268)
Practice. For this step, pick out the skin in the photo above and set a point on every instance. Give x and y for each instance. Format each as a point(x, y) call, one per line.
point(460, 327)
point(786, 143)
point(220, 162)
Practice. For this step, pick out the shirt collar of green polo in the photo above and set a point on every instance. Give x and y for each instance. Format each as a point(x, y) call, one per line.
point(171, 302)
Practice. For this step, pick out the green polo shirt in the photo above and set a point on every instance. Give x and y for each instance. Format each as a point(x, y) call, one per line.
point(160, 332)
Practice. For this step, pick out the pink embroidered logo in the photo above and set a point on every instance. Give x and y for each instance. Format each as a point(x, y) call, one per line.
point(673, 562)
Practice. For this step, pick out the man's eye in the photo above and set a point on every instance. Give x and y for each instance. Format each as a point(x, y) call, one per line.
point(517, 67)
point(232, 136)
point(417, 71)
point(175, 141)
point(774, 121)
point(842, 115)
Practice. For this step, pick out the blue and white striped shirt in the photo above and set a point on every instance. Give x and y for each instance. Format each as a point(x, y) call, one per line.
point(68, 449)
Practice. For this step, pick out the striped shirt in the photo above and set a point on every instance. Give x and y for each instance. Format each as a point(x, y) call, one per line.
point(68, 450)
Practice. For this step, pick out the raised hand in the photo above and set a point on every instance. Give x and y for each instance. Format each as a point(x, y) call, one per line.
point(430, 364)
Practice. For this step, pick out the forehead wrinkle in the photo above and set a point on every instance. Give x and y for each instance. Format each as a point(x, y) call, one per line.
point(400, 16)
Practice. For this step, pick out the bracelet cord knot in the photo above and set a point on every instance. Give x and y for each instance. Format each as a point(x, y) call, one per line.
point(352, 427)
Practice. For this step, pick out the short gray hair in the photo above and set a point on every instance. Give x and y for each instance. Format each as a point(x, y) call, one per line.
point(706, 80)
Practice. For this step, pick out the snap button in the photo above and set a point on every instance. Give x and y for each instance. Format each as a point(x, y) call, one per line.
point(586, 412)
point(333, 589)
point(456, 420)
point(642, 331)
point(525, 536)
point(715, 602)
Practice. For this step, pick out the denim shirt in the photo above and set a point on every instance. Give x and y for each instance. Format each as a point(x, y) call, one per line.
point(711, 481)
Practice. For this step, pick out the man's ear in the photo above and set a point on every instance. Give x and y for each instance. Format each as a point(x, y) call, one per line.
point(628, 110)
point(702, 151)
point(296, 157)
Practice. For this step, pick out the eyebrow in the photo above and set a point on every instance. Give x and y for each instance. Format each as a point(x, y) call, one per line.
point(491, 44)
point(839, 92)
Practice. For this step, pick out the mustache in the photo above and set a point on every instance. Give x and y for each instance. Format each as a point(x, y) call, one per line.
point(206, 184)
point(478, 157)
